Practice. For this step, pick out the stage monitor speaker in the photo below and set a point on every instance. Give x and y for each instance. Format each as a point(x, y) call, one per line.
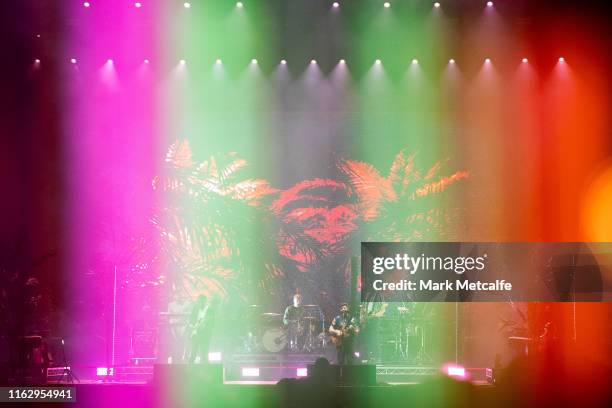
point(363, 374)
point(188, 373)
point(358, 374)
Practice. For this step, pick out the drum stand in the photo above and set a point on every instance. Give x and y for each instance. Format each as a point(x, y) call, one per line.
point(309, 341)
point(422, 356)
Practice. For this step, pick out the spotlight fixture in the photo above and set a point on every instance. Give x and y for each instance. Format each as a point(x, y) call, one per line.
point(525, 60)
point(218, 61)
point(250, 372)
point(342, 61)
point(283, 62)
point(456, 371)
point(187, 5)
point(313, 61)
point(73, 60)
point(561, 59)
point(86, 4)
point(254, 61)
point(378, 62)
point(335, 4)
point(182, 62)
point(37, 35)
point(415, 61)
point(214, 356)
point(437, 5)
point(239, 4)
point(489, 4)
point(138, 4)
point(37, 61)
point(146, 61)
point(488, 60)
point(386, 4)
point(109, 61)
point(451, 61)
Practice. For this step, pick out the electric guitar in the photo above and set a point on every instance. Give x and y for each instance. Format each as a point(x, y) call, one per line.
point(198, 325)
point(347, 331)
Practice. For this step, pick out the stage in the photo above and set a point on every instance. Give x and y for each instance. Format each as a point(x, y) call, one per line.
point(307, 203)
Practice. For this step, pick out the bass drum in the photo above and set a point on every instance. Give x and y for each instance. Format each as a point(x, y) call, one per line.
point(274, 340)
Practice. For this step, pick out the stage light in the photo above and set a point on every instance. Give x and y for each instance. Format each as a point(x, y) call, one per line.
point(357, 354)
point(86, 4)
point(342, 61)
point(451, 61)
point(335, 4)
point(138, 4)
point(301, 372)
point(525, 60)
point(109, 61)
point(253, 61)
point(182, 62)
point(437, 5)
point(489, 4)
point(283, 62)
point(378, 62)
point(561, 59)
point(187, 5)
point(104, 371)
point(218, 61)
point(250, 372)
point(37, 61)
point(313, 61)
point(73, 60)
point(37, 35)
point(455, 371)
point(386, 4)
point(146, 61)
point(415, 61)
point(239, 4)
point(487, 60)
point(214, 356)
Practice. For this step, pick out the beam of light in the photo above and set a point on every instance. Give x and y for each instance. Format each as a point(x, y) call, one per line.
point(107, 116)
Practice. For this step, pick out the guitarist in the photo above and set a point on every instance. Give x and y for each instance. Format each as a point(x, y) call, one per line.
point(343, 329)
point(199, 330)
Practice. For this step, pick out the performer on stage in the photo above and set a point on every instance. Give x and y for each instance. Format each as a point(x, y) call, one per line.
point(343, 329)
point(292, 319)
point(178, 311)
point(200, 328)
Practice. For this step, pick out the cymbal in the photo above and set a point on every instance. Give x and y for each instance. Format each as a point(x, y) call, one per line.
point(270, 314)
point(311, 305)
point(309, 318)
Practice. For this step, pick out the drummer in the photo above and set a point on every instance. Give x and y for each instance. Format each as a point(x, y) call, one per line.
point(292, 319)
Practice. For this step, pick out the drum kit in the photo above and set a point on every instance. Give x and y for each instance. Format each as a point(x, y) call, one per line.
point(267, 333)
point(399, 333)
